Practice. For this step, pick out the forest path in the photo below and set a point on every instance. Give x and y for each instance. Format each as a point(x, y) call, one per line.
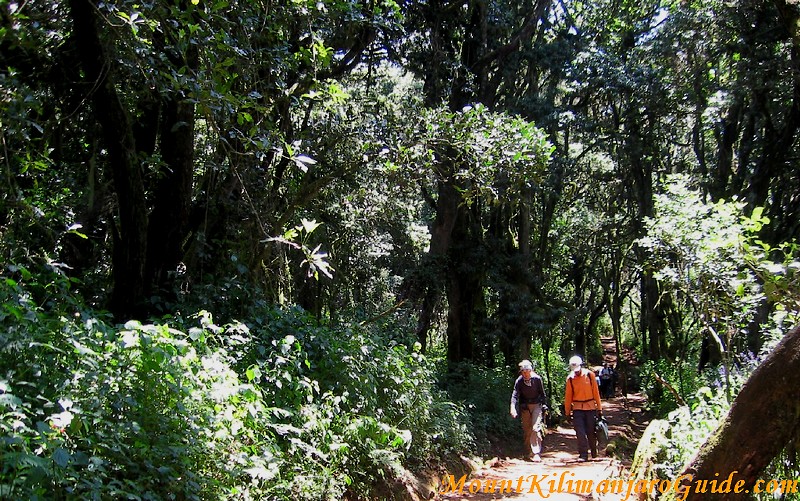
point(560, 476)
point(609, 350)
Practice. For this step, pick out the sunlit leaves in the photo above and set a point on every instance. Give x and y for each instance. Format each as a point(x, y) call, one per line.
point(303, 162)
point(496, 156)
point(778, 268)
point(699, 250)
point(298, 238)
point(317, 262)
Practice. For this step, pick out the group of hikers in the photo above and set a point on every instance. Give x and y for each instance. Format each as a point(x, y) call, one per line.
point(582, 405)
point(608, 380)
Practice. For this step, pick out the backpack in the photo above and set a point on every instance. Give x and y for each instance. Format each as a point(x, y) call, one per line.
point(591, 380)
point(601, 429)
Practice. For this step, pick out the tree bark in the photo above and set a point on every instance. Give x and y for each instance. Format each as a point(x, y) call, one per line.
point(441, 237)
point(130, 240)
point(462, 296)
point(172, 194)
point(169, 220)
point(464, 284)
point(761, 422)
point(578, 279)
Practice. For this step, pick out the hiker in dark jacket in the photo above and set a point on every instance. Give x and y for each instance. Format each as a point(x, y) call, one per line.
point(607, 381)
point(527, 401)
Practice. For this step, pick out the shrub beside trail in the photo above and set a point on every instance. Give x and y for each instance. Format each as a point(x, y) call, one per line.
point(184, 408)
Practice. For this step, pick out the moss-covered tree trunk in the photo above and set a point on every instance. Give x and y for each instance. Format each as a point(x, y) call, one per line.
point(764, 418)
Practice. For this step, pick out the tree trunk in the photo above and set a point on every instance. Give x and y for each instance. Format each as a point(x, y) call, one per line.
point(464, 284)
point(761, 422)
point(170, 217)
point(426, 311)
point(577, 276)
point(652, 325)
point(447, 210)
point(461, 298)
point(130, 241)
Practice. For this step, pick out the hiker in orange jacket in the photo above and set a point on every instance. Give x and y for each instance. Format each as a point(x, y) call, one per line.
point(582, 403)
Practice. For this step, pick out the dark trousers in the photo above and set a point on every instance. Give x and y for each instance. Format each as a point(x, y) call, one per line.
point(584, 421)
point(606, 388)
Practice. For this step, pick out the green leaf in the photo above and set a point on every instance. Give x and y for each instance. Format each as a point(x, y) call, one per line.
point(303, 162)
point(10, 401)
point(61, 457)
point(197, 334)
point(21, 459)
point(253, 372)
point(310, 226)
point(73, 229)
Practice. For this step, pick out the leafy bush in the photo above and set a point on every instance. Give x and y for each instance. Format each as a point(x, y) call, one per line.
point(484, 393)
point(668, 444)
point(681, 376)
point(91, 412)
point(192, 410)
point(379, 396)
point(554, 372)
point(690, 426)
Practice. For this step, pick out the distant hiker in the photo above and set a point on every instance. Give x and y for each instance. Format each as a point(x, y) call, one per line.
point(582, 403)
point(527, 400)
point(614, 378)
point(602, 380)
point(607, 381)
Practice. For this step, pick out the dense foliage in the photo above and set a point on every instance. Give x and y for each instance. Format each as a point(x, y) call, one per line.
point(290, 409)
point(295, 248)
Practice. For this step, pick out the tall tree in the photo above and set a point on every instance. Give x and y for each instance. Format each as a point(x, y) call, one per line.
point(739, 72)
point(130, 240)
point(198, 62)
point(489, 40)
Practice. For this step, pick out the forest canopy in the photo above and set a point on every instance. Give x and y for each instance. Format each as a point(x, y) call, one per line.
point(286, 236)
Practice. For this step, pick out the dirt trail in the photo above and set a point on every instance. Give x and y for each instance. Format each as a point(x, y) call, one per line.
point(560, 476)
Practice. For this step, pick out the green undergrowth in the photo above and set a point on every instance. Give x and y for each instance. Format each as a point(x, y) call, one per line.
point(183, 408)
